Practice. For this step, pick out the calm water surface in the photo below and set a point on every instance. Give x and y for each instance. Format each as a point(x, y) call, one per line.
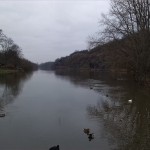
point(44, 109)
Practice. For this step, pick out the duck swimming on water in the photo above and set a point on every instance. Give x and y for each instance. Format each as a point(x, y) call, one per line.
point(54, 148)
point(130, 101)
point(91, 136)
point(86, 131)
point(2, 115)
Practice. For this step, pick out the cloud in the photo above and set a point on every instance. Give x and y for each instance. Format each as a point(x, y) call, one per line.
point(46, 30)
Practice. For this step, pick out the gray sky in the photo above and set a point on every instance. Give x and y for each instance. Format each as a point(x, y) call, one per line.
point(46, 30)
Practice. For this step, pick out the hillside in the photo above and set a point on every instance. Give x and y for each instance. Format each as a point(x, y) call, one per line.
point(104, 57)
point(46, 66)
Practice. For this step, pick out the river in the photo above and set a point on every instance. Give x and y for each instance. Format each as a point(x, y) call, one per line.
point(46, 108)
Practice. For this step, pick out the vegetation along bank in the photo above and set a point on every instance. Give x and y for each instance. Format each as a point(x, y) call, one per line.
point(11, 57)
point(121, 45)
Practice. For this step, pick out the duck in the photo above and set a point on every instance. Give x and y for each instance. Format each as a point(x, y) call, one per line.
point(2, 115)
point(91, 136)
point(130, 101)
point(86, 131)
point(54, 148)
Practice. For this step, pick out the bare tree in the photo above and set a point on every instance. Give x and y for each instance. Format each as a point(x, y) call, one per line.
point(128, 23)
point(10, 52)
point(126, 17)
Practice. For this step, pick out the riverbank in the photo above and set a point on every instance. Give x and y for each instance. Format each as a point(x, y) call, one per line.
point(7, 71)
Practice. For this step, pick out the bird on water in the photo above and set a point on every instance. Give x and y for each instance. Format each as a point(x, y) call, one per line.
point(130, 101)
point(54, 148)
point(86, 131)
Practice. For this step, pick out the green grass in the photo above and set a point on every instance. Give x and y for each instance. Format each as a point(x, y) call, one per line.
point(7, 71)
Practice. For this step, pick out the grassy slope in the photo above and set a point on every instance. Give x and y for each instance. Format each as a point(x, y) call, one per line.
point(7, 71)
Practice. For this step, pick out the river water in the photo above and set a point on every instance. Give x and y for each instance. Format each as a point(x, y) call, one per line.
point(46, 108)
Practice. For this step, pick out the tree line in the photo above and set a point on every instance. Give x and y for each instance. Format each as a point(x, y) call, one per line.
point(122, 43)
point(128, 26)
point(11, 56)
point(46, 65)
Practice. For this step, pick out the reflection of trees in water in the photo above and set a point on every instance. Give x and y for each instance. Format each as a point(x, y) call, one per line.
point(84, 78)
point(10, 87)
point(76, 77)
point(126, 125)
point(99, 82)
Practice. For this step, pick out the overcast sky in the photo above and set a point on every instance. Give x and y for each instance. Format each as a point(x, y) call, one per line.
point(46, 30)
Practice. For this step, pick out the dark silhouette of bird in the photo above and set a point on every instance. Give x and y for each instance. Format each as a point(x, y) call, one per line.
point(86, 131)
point(54, 148)
point(2, 115)
point(91, 136)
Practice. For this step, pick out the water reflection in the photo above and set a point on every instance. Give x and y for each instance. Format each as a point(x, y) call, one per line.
point(84, 79)
point(123, 108)
point(127, 125)
point(10, 87)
